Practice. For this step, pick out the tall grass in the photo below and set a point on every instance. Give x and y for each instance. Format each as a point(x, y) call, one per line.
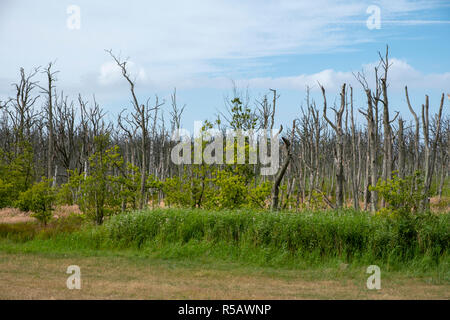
point(273, 238)
point(25, 231)
point(330, 233)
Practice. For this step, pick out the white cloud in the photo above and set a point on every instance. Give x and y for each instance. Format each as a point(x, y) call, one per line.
point(400, 74)
point(192, 44)
point(110, 73)
point(178, 32)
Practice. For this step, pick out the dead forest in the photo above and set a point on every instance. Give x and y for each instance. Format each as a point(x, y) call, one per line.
point(327, 158)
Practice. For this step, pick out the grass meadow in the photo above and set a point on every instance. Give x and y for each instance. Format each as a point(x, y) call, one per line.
point(311, 254)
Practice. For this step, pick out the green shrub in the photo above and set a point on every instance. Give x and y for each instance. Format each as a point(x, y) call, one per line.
point(258, 196)
point(401, 195)
point(39, 199)
point(100, 190)
point(177, 192)
point(230, 192)
point(7, 193)
point(16, 172)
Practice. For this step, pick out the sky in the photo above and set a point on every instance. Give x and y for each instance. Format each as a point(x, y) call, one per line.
point(201, 47)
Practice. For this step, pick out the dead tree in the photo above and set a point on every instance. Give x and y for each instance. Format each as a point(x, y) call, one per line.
point(372, 147)
point(416, 136)
point(339, 150)
point(175, 123)
point(354, 174)
point(401, 150)
point(371, 115)
point(444, 146)
point(64, 131)
point(153, 137)
point(274, 102)
point(387, 130)
point(23, 113)
point(48, 91)
point(263, 107)
point(282, 170)
point(430, 146)
point(141, 118)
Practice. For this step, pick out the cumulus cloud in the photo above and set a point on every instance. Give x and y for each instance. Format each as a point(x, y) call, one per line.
point(400, 74)
point(110, 73)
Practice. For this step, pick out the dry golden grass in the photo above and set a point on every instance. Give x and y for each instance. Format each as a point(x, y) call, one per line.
point(14, 215)
point(30, 276)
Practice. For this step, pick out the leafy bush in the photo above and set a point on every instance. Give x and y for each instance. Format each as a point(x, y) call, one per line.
point(16, 170)
point(258, 196)
point(177, 192)
point(401, 195)
point(39, 199)
point(230, 192)
point(6, 194)
point(100, 189)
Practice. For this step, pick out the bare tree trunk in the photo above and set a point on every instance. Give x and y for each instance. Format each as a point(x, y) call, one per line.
point(401, 150)
point(282, 171)
point(430, 148)
point(339, 152)
point(387, 143)
point(387, 131)
point(416, 136)
point(49, 92)
point(355, 186)
point(442, 180)
point(366, 181)
point(444, 146)
point(372, 149)
point(141, 120)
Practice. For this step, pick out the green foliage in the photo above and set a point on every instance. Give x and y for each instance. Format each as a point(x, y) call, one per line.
point(401, 195)
point(108, 186)
point(153, 185)
point(68, 192)
point(442, 205)
point(275, 239)
point(16, 173)
point(317, 200)
point(225, 186)
point(39, 199)
point(26, 231)
point(230, 192)
point(224, 190)
point(241, 117)
point(131, 183)
point(24, 201)
point(177, 192)
point(7, 193)
point(258, 196)
point(100, 190)
point(346, 234)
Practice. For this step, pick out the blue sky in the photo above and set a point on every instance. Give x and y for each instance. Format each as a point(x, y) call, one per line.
point(200, 46)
